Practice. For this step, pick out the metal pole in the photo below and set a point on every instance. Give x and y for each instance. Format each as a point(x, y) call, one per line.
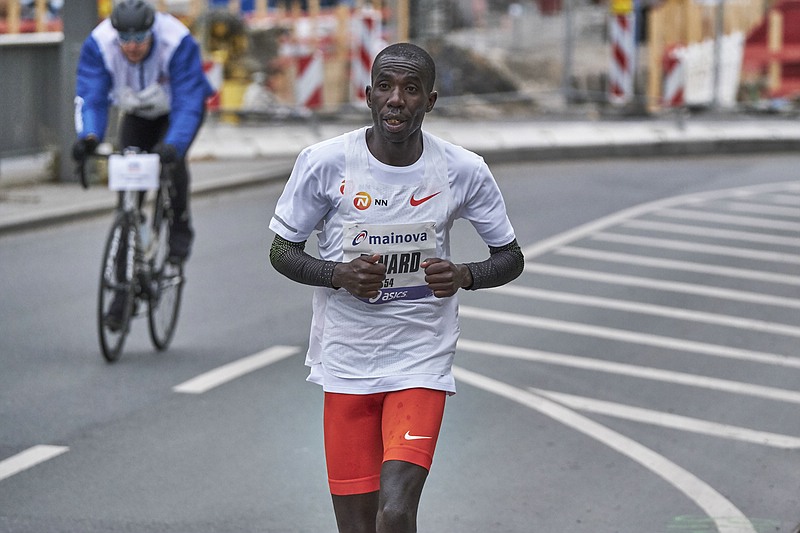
point(79, 18)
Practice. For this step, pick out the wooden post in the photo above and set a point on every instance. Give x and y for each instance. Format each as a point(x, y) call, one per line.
point(13, 16)
point(40, 8)
point(774, 46)
point(261, 8)
point(655, 52)
point(196, 7)
point(402, 20)
point(235, 7)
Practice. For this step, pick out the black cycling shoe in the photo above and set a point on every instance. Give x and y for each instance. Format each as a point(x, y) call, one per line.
point(114, 316)
point(180, 241)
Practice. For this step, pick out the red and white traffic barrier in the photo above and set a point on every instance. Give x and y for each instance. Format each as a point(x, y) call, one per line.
point(674, 77)
point(310, 79)
point(623, 58)
point(213, 71)
point(366, 42)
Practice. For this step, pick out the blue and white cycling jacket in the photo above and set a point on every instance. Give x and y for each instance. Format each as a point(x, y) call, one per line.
point(170, 80)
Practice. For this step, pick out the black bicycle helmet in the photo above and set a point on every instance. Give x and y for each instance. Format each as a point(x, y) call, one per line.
point(132, 16)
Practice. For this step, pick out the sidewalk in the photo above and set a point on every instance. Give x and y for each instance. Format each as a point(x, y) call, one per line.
point(226, 156)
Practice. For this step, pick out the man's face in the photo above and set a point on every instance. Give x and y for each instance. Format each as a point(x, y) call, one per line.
point(398, 98)
point(135, 45)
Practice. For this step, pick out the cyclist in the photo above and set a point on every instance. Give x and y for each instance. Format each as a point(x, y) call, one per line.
point(148, 65)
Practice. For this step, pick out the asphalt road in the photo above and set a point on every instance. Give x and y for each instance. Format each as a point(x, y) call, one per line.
point(639, 377)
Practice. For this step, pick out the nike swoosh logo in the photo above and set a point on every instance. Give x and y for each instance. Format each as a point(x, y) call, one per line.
point(415, 202)
point(408, 435)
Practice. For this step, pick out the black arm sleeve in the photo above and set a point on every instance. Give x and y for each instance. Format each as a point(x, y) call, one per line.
point(290, 259)
point(505, 263)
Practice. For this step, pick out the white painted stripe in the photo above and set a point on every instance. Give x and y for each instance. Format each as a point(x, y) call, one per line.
point(787, 199)
point(579, 232)
point(28, 459)
point(672, 286)
point(674, 264)
point(762, 209)
point(734, 220)
point(221, 375)
point(699, 247)
point(628, 306)
point(622, 335)
point(671, 421)
point(727, 518)
point(623, 369)
point(706, 231)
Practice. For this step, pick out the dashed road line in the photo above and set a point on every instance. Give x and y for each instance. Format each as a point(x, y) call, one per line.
point(714, 504)
point(670, 420)
point(223, 374)
point(28, 459)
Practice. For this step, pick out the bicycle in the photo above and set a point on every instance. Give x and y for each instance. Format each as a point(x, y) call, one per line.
point(135, 264)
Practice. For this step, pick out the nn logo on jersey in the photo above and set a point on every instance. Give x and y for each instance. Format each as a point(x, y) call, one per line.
point(362, 200)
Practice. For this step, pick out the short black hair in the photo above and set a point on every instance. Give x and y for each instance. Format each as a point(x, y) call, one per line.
point(412, 53)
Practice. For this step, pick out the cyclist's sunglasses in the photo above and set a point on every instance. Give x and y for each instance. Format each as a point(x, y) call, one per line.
point(137, 37)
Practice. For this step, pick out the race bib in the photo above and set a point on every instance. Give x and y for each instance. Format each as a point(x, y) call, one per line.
point(402, 248)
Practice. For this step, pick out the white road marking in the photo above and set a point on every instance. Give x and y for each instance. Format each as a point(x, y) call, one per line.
point(672, 421)
point(698, 247)
point(672, 286)
point(727, 518)
point(678, 313)
point(624, 369)
point(218, 376)
point(734, 220)
point(706, 231)
point(579, 232)
point(674, 264)
point(623, 335)
point(788, 199)
point(28, 459)
point(761, 209)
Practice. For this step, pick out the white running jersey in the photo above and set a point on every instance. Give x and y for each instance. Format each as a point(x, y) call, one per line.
point(405, 337)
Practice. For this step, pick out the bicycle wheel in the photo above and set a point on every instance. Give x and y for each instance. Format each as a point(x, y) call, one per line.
point(116, 292)
point(166, 280)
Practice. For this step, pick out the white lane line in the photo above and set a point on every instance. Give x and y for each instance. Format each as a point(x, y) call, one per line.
point(223, 374)
point(29, 458)
point(727, 518)
point(624, 369)
point(628, 306)
point(761, 209)
point(699, 247)
point(672, 286)
point(788, 199)
point(674, 264)
point(579, 232)
point(623, 335)
point(734, 220)
point(706, 231)
point(671, 421)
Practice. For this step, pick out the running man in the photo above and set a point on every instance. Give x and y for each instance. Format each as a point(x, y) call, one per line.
point(384, 329)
